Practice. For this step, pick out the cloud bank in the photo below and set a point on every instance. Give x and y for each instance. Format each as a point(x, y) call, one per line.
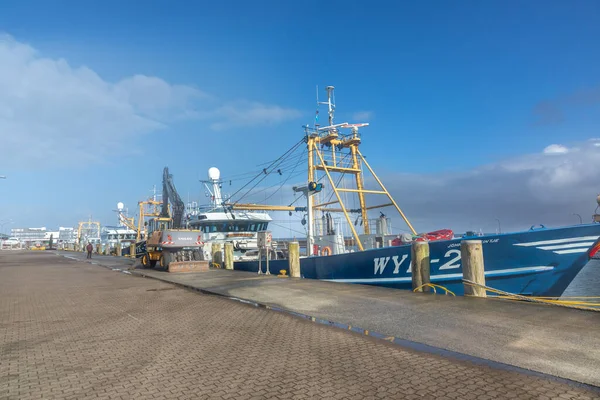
point(53, 112)
point(547, 187)
point(544, 188)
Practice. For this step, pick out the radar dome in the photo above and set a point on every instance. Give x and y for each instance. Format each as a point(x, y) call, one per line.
point(598, 199)
point(120, 206)
point(214, 173)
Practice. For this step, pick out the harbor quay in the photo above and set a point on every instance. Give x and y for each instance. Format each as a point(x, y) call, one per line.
point(72, 328)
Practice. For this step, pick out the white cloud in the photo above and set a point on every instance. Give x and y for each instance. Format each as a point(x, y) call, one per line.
point(54, 112)
point(362, 116)
point(245, 113)
point(556, 149)
point(153, 96)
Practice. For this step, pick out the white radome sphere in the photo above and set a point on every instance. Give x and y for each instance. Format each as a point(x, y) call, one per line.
point(214, 173)
point(120, 206)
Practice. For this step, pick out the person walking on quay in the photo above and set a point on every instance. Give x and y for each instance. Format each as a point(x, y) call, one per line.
point(89, 249)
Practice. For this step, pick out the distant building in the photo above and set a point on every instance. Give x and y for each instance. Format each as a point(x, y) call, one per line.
point(29, 236)
point(67, 235)
point(41, 236)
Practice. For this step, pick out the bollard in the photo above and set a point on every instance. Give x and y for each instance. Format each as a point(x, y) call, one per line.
point(294, 259)
point(259, 260)
point(228, 255)
point(132, 250)
point(472, 266)
point(420, 266)
point(268, 272)
point(215, 252)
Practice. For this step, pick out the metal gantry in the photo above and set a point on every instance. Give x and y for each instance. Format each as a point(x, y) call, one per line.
point(88, 230)
point(148, 209)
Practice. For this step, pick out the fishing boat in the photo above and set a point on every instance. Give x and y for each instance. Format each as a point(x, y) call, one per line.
point(219, 224)
point(539, 262)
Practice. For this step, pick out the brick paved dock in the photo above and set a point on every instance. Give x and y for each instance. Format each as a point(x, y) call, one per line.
point(71, 330)
point(548, 339)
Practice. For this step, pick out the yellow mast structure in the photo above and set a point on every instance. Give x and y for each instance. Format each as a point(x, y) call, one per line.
point(148, 209)
point(127, 221)
point(88, 227)
point(341, 147)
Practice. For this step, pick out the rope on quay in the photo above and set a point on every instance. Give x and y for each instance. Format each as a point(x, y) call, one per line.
point(433, 286)
point(580, 305)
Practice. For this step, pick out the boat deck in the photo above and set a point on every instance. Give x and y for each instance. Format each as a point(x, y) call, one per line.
point(548, 339)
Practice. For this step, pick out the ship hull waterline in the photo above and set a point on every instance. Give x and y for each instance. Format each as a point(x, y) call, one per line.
point(537, 262)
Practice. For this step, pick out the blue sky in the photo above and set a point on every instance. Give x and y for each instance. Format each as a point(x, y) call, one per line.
point(450, 88)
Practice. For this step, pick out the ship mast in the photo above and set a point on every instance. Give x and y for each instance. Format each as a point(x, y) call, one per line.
point(333, 152)
point(330, 137)
point(357, 172)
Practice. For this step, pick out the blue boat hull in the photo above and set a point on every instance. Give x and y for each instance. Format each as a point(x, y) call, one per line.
point(539, 262)
point(140, 249)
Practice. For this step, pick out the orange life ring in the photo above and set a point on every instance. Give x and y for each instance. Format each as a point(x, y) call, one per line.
point(326, 251)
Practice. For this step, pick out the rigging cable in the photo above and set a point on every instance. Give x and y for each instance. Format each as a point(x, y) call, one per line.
point(289, 161)
point(288, 178)
point(264, 171)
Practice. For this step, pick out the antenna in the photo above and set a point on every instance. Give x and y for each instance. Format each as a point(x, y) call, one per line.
point(317, 111)
point(330, 103)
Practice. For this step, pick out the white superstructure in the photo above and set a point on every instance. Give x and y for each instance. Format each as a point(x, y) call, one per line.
point(122, 234)
point(219, 225)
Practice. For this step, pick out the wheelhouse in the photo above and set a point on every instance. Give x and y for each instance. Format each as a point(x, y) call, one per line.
point(208, 226)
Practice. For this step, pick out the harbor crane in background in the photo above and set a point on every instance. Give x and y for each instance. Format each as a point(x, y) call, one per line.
point(170, 193)
point(169, 242)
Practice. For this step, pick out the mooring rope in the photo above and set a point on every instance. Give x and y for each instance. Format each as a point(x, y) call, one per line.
point(588, 306)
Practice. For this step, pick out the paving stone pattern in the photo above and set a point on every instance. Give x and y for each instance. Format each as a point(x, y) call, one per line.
point(71, 330)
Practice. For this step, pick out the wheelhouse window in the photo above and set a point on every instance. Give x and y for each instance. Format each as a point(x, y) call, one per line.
point(232, 226)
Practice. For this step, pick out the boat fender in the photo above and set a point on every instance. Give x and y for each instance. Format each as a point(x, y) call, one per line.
point(326, 251)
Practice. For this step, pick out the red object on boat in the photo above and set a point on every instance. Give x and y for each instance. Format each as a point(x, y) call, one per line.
point(442, 234)
point(402, 240)
point(594, 250)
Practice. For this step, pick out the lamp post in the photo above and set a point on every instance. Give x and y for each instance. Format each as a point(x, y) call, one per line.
point(580, 220)
point(499, 227)
point(4, 222)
